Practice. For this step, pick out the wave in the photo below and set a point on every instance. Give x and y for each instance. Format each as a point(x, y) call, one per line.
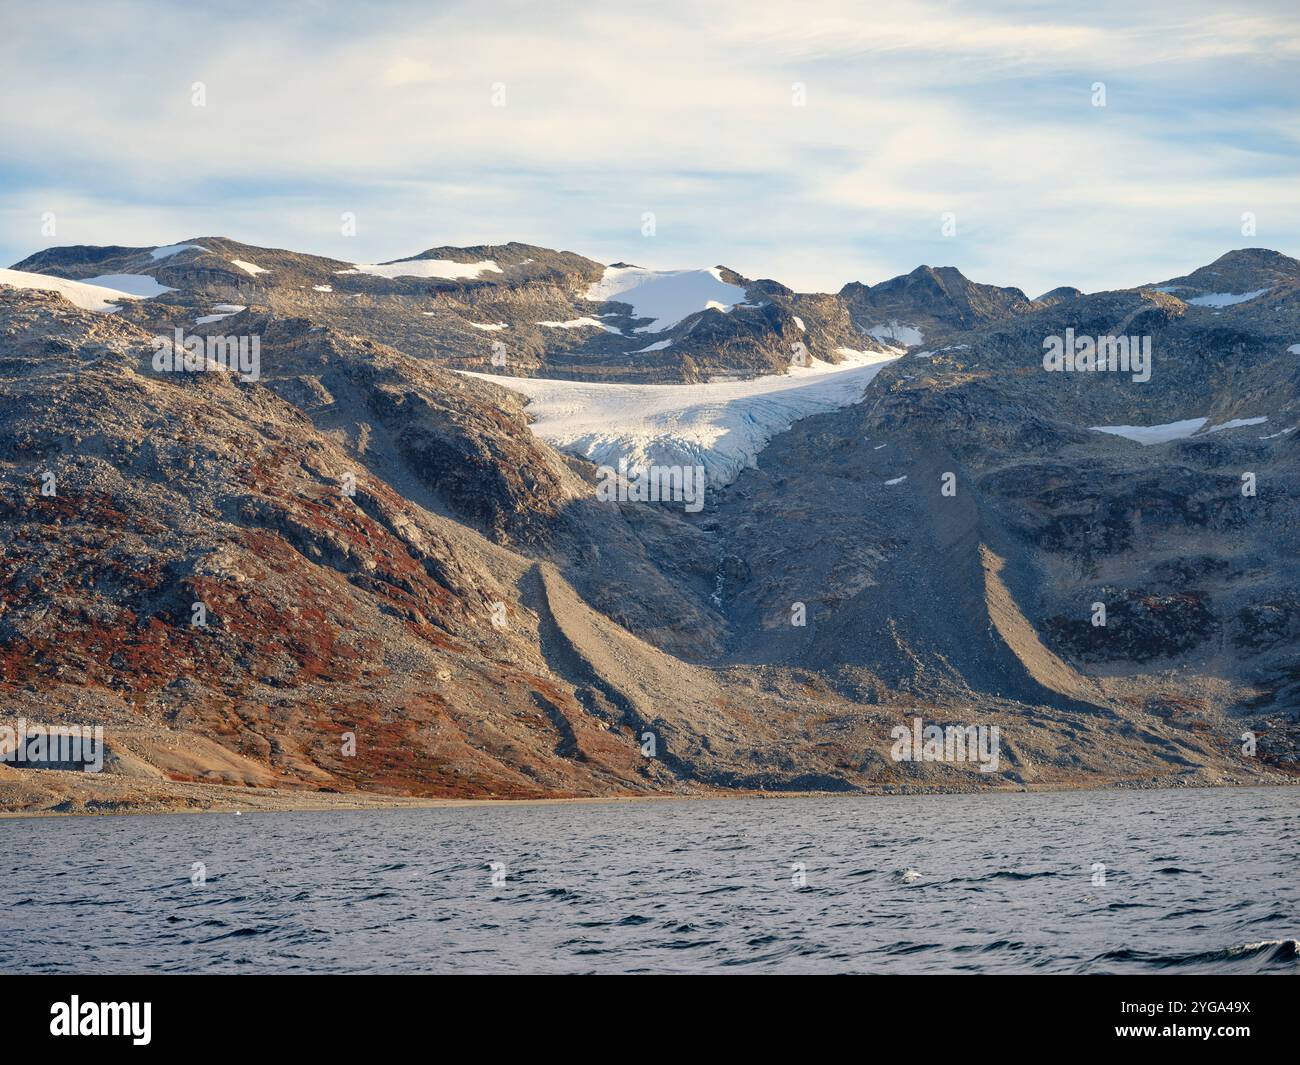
point(1001, 874)
point(1266, 953)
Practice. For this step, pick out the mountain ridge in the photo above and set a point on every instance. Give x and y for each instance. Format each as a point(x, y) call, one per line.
point(485, 625)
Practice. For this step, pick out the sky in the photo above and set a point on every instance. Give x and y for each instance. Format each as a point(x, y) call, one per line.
point(815, 142)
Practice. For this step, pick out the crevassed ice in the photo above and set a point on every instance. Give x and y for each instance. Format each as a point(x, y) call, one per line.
point(720, 425)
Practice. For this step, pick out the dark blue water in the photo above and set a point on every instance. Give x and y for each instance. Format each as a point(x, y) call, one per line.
point(1195, 881)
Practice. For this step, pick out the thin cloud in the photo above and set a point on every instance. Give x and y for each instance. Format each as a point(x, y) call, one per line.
point(812, 144)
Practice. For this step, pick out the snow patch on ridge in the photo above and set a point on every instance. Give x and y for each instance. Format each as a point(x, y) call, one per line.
point(1146, 435)
point(667, 296)
point(142, 286)
point(1236, 423)
point(721, 425)
point(443, 269)
point(586, 322)
point(173, 249)
point(86, 296)
point(220, 311)
point(1224, 299)
point(907, 335)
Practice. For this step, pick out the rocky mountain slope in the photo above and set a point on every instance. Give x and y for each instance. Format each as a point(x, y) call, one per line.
point(547, 312)
point(928, 302)
point(405, 590)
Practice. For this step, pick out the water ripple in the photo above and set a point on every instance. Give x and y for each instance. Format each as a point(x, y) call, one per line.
point(1070, 882)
